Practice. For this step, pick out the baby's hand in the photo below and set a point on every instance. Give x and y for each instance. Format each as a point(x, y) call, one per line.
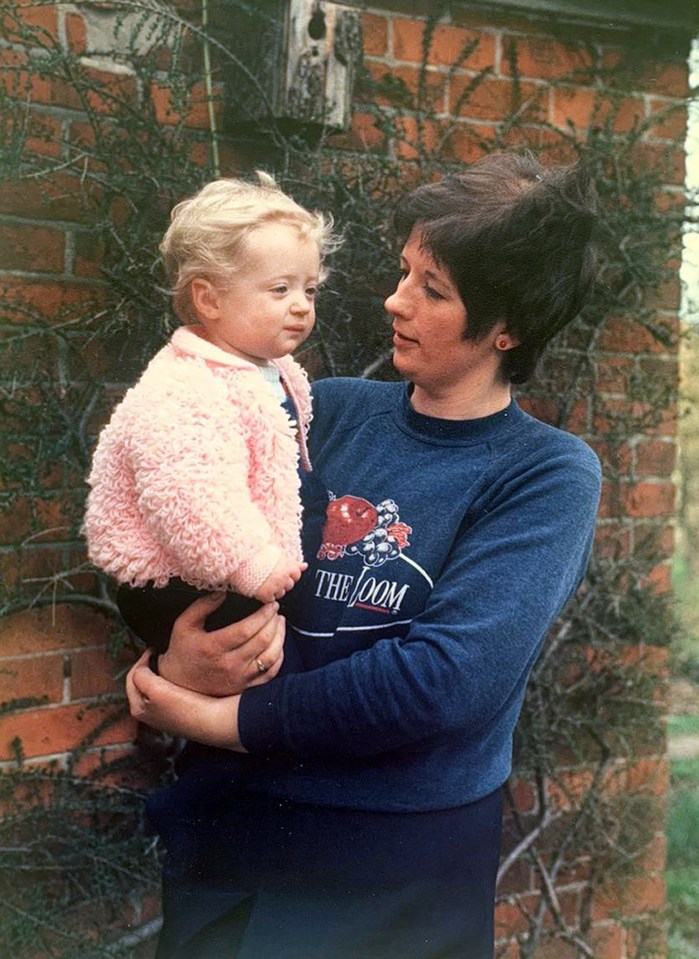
point(284, 576)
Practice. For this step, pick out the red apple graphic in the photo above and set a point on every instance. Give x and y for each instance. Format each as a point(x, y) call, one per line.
point(349, 519)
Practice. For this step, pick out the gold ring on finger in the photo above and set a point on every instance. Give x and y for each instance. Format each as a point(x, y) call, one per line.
point(261, 668)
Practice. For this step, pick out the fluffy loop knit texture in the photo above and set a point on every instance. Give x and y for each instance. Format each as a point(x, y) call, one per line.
point(196, 473)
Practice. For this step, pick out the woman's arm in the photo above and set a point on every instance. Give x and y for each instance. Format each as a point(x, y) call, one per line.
point(465, 657)
point(181, 712)
point(221, 662)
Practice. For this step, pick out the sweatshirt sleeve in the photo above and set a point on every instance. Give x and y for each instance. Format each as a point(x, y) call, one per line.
point(190, 466)
point(513, 565)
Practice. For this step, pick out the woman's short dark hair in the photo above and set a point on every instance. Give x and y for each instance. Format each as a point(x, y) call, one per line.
point(516, 240)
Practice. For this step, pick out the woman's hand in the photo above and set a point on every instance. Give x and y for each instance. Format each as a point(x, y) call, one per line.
point(228, 660)
point(181, 712)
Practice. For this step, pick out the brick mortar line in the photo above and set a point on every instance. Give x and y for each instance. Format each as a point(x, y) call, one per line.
point(66, 685)
point(563, 83)
point(626, 525)
point(89, 704)
point(33, 275)
point(68, 226)
point(69, 252)
point(596, 84)
point(640, 438)
point(530, 125)
point(571, 352)
point(617, 394)
point(621, 763)
point(8, 548)
point(665, 356)
point(61, 31)
point(56, 651)
point(611, 395)
point(64, 756)
point(391, 61)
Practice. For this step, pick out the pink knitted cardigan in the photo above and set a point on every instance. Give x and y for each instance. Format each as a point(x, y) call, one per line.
point(196, 474)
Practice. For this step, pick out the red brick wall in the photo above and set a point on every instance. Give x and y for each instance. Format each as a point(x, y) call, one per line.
point(557, 90)
point(393, 43)
point(47, 260)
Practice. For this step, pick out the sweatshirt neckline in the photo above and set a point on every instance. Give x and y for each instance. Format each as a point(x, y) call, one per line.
point(435, 429)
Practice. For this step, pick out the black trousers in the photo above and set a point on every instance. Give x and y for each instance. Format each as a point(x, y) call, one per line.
point(252, 877)
point(151, 612)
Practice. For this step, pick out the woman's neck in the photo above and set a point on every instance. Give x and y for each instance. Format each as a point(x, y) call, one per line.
point(461, 404)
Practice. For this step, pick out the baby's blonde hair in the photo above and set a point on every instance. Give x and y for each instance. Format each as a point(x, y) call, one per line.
point(207, 232)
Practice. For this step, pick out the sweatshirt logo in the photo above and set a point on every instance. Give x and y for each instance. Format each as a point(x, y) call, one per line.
point(354, 526)
point(375, 534)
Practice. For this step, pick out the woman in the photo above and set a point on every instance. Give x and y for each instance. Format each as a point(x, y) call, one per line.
point(352, 807)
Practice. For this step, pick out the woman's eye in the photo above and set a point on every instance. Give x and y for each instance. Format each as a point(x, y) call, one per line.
point(432, 293)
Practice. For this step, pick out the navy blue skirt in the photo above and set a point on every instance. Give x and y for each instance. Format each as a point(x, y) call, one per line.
point(251, 877)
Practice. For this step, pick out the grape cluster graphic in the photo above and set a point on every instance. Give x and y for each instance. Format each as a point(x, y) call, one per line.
point(380, 545)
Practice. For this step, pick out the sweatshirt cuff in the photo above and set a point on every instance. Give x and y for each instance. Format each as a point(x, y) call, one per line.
point(259, 727)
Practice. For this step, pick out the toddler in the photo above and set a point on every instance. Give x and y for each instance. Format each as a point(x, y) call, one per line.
point(195, 478)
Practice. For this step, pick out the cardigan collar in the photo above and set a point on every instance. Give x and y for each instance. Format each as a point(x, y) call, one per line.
point(188, 339)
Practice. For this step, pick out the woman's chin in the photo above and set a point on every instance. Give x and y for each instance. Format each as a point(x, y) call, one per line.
point(400, 363)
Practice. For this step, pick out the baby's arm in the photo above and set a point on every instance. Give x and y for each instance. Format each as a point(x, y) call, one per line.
point(190, 463)
point(216, 536)
point(286, 573)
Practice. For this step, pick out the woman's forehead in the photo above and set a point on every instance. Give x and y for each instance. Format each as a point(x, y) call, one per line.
point(420, 255)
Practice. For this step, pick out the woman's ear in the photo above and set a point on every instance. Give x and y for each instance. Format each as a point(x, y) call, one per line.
point(205, 299)
point(504, 341)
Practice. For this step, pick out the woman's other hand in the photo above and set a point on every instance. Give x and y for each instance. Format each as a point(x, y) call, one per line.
point(228, 660)
point(181, 712)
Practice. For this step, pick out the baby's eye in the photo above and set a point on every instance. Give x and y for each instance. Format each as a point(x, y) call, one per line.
point(311, 291)
point(281, 288)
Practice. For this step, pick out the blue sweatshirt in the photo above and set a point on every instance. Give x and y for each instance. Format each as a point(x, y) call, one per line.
point(447, 551)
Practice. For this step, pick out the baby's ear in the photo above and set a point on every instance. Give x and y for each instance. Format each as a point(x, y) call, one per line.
point(205, 299)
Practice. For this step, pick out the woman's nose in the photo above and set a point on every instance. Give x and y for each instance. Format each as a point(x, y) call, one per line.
point(393, 303)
